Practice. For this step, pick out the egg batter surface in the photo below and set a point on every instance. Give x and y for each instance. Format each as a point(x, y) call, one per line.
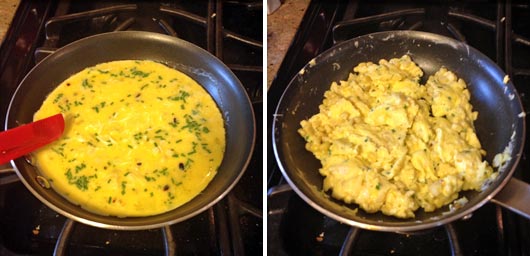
point(389, 144)
point(140, 139)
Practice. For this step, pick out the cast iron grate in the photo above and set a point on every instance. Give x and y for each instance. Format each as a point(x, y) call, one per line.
point(499, 30)
point(233, 226)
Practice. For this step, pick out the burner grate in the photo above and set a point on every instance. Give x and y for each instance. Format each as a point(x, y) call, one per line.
point(497, 29)
point(234, 225)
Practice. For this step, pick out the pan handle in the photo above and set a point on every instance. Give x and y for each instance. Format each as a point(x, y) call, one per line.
point(515, 196)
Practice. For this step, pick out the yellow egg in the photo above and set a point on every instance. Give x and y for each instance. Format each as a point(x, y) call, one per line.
point(389, 144)
point(140, 139)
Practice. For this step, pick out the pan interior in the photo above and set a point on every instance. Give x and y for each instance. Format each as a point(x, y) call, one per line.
point(212, 74)
point(499, 120)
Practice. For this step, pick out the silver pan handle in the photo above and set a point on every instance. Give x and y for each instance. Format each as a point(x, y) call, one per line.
point(515, 196)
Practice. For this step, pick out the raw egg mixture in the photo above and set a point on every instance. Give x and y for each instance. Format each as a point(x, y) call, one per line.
point(389, 144)
point(140, 139)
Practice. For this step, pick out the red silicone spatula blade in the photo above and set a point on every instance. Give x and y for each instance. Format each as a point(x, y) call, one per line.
point(24, 139)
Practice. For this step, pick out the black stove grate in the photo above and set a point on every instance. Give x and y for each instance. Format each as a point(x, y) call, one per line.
point(499, 30)
point(234, 225)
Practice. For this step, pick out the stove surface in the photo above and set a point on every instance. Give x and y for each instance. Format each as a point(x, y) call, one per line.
point(232, 226)
point(497, 29)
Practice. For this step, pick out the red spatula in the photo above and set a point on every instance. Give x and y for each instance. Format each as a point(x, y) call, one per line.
point(24, 139)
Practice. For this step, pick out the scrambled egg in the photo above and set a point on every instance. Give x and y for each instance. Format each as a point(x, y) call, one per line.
point(389, 144)
point(140, 139)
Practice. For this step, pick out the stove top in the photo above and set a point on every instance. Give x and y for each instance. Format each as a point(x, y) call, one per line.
point(499, 30)
point(234, 225)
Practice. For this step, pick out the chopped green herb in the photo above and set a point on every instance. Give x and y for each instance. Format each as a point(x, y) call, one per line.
point(136, 72)
point(86, 84)
point(181, 96)
point(82, 183)
point(80, 167)
point(193, 149)
point(123, 187)
point(58, 98)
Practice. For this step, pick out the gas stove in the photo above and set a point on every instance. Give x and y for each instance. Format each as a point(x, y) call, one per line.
point(499, 30)
point(232, 226)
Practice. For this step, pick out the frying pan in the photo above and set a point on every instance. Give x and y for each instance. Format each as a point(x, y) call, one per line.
point(500, 123)
point(208, 71)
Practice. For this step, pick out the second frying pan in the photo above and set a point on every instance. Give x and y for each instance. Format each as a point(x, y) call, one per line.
point(500, 123)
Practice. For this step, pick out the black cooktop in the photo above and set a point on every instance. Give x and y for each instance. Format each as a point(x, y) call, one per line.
point(234, 225)
point(497, 29)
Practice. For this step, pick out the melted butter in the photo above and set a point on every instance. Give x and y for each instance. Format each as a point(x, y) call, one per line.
point(140, 139)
